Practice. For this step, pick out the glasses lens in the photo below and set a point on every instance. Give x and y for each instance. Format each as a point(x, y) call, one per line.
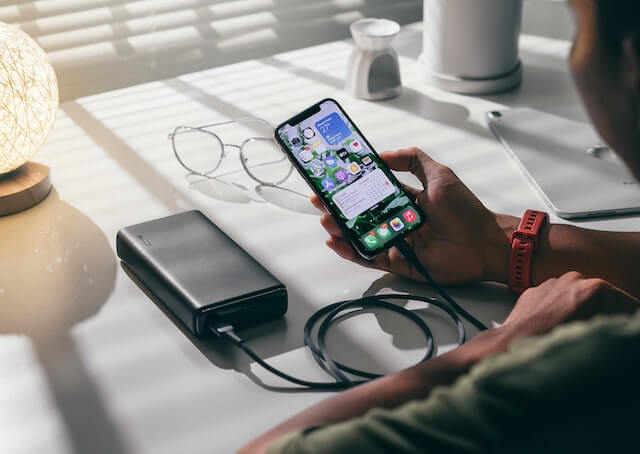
point(265, 161)
point(199, 151)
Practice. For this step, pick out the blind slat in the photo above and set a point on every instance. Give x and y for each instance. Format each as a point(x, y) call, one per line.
point(89, 42)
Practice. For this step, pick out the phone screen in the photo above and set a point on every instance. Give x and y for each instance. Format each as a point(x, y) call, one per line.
point(349, 176)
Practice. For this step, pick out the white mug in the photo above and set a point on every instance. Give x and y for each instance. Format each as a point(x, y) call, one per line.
point(471, 46)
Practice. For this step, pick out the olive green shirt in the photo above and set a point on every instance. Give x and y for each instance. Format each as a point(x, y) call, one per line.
point(573, 390)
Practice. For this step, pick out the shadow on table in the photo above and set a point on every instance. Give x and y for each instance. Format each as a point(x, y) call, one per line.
point(410, 100)
point(57, 270)
point(488, 302)
point(236, 192)
point(541, 88)
point(289, 199)
point(160, 187)
point(219, 189)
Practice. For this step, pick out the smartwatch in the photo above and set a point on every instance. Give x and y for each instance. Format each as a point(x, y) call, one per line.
point(523, 242)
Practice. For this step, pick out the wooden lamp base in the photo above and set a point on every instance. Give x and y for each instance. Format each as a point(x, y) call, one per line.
point(24, 187)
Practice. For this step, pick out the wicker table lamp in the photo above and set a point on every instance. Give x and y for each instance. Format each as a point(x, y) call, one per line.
point(28, 103)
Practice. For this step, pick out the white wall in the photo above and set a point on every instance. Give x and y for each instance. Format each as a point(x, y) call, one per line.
point(550, 18)
point(98, 45)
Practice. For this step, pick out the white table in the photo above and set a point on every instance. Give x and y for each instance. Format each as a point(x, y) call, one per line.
point(88, 363)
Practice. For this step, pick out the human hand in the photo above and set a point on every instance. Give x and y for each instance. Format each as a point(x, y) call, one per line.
point(567, 298)
point(461, 240)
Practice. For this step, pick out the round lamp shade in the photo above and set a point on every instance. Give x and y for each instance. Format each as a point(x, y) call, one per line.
point(29, 97)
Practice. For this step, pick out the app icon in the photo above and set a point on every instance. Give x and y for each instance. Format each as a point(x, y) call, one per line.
point(356, 146)
point(319, 147)
point(366, 160)
point(371, 240)
point(396, 224)
point(340, 175)
point(330, 161)
point(384, 231)
point(317, 170)
point(308, 133)
point(354, 168)
point(343, 153)
point(306, 154)
point(295, 140)
point(328, 185)
point(410, 216)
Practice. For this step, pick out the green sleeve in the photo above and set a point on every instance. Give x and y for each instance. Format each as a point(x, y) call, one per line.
point(574, 390)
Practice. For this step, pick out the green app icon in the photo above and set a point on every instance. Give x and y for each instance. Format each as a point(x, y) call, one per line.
point(371, 240)
point(384, 231)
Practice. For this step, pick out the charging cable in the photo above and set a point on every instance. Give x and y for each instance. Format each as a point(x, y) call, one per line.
point(330, 314)
point(409, 254)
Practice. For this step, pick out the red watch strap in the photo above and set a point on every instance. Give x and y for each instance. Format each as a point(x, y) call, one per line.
point(523, 242)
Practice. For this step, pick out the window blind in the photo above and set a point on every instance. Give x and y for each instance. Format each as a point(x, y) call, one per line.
point(98, 45)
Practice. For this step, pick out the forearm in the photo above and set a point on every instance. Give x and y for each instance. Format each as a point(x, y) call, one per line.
point(389, 392)
point(564, 248)
point(607, 255)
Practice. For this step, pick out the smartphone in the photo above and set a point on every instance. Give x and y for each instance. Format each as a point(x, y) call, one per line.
point(353, 183)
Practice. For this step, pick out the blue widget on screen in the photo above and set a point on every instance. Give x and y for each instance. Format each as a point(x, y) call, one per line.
point(333, 128)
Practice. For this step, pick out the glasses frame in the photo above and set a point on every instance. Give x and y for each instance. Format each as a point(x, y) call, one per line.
point(223, 146)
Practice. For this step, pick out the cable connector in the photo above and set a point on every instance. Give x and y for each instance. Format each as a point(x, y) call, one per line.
point(226, 331)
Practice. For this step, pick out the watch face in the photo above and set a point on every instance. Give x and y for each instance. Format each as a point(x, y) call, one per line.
point(308, 133)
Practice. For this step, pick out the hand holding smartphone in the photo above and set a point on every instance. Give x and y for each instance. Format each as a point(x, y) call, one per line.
point(349, 177)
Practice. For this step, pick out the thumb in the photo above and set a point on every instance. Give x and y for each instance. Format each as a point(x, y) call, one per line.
point(412, 160)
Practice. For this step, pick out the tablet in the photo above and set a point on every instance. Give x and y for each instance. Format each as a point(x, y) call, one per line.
point(576, 174)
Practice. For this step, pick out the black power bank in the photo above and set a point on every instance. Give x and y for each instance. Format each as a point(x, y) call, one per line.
point(200, 274)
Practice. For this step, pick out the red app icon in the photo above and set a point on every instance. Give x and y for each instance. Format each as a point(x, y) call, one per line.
point(410, 216)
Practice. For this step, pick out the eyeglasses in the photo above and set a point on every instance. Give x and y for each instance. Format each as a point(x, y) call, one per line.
point(201, 151)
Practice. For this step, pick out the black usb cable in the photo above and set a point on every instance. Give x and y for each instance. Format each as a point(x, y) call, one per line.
point(409, 254)
point(328, 315)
